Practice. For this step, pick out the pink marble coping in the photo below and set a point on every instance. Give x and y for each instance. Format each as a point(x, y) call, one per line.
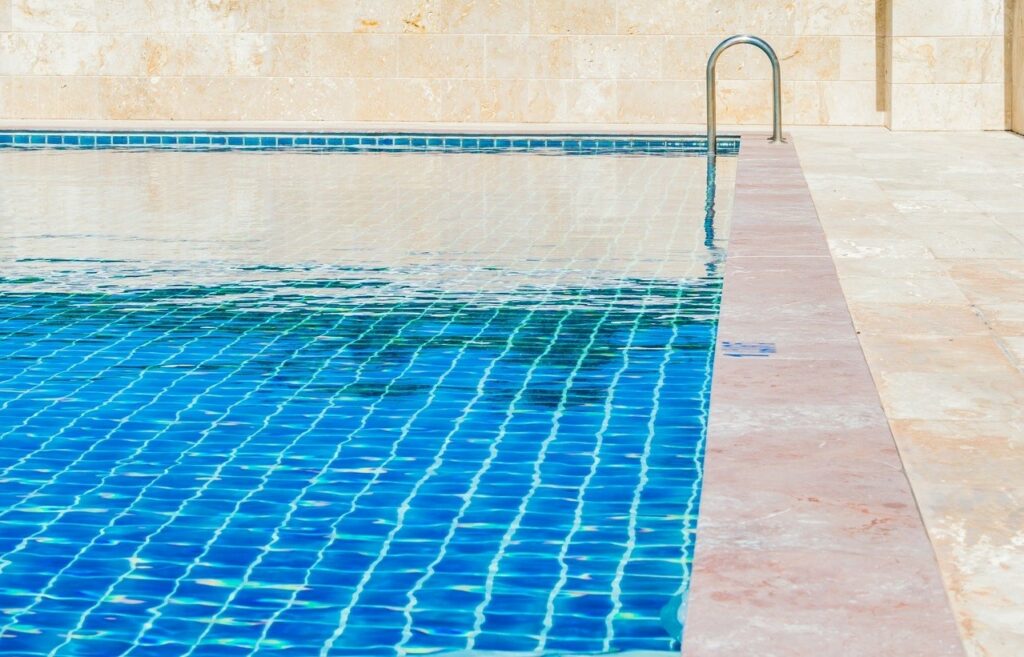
point(809, 542)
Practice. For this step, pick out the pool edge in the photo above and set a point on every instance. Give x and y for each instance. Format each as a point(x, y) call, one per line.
point(809, 540)
point(365, 142)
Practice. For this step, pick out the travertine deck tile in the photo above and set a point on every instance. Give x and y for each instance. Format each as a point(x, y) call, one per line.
point(974, 241)
point(1015, 347)
point(925, 290)
point(946, 344)
point(917, 319)
point(937, 354)
point(968, 454)
point(939, 395)
point(988, 281)
point(893, 267)
point(875, 244)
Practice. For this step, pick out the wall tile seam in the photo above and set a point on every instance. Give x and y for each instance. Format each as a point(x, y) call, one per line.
point(938, 37)
point(711, 39)
point(399, 62)
point(355, 118)
point(546, 35)
point(723, 81)
point(483, 40)
point(933, 37)
point(979, 35)
point(999, 83)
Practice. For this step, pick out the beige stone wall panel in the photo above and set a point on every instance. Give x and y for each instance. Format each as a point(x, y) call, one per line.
point(5, 15)
point(571, 61)
point(529, 57)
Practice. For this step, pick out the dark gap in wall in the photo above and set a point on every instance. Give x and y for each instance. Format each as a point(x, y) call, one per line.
point(883, 46)
point(1009, 14)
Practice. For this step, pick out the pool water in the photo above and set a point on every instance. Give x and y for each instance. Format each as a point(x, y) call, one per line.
point(351, 404)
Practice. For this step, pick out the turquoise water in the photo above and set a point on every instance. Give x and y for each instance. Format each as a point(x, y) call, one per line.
point(347, 459)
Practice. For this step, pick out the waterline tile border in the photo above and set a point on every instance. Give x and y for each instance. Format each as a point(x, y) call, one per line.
point(809, 541)
point(366, 142)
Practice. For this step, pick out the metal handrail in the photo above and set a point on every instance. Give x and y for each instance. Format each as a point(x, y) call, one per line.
point(776, 85)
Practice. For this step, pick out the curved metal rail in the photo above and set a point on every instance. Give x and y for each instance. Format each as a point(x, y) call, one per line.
point(776, 85)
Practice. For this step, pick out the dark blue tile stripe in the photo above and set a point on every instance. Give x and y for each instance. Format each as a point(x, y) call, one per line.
point(350, 142)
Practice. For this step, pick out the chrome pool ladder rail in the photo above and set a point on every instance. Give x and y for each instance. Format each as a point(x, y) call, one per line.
point(776, 89)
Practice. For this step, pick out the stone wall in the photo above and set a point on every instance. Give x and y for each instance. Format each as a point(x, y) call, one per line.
point(948, 65)
point(542, 61)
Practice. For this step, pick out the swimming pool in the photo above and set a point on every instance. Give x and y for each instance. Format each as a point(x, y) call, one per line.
point(362, 403)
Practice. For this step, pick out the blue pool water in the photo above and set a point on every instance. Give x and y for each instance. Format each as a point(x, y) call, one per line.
point(221, 458)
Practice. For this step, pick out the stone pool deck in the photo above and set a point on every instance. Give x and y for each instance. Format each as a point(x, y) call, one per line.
point(927, 233)
point(828, 528)
point(810, 543)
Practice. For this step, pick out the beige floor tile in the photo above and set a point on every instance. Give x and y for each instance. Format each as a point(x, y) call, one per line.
point(918, 224)
point(1003, 318)
point(853, 207)
point(854, 232)
point(933, 201)
point(1011, 218)
point(978, 534)
point(884, 289)
point(989, 281)
point(891, 267)
point(951, 395)
point(884, 318)
point(1014, 346)
point(1008, 201)
point(972, 454)
point(1016, 231)
point(873, 247)
point(973, 242)
point(901, 353)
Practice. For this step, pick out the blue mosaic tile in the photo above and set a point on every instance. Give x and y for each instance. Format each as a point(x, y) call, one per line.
point(367, 143)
